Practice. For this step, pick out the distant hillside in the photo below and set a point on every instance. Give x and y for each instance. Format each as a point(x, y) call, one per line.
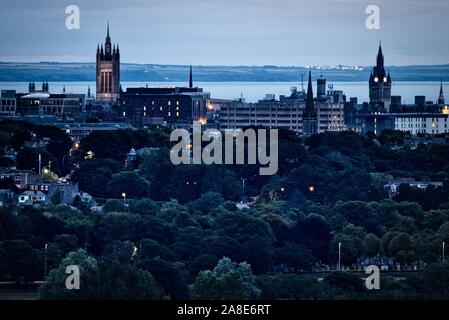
point(50, 71)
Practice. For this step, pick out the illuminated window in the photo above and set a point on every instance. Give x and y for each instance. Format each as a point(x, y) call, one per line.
point(144, 108)
point(169, 114)
point(177, 114)
point(160, 108)
point(169, 103)
point(177, 103)
point(124, 113)
point(152, 102)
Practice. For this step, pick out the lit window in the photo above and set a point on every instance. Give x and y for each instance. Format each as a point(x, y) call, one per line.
point(169, 114)
point(160, 108)
point(169, 103)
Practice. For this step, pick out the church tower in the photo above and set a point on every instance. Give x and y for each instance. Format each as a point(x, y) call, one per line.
point(108, 71)
point(309, 117)
point(441, 99)
point(380, 83)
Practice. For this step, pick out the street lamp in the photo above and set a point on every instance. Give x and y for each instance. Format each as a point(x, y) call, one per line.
point(124, 198)
point(339, 256)
point(45, 261)
point(243, 188)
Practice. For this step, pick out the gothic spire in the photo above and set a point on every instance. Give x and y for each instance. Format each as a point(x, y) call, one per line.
point(441, 96)
point(310, 110)
point(380, 56)
point(191, 78)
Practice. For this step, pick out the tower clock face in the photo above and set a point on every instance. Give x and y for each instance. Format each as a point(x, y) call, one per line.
point(376, 79)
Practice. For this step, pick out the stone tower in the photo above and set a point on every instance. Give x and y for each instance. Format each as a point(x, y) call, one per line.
point(380, 83)
point(108, 71)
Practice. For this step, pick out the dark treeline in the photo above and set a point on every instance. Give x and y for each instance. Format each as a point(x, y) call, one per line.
point(180, 234)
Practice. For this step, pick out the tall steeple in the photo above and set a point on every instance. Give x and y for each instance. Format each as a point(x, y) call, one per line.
point(310, 109)
point(380, 57)
point(441, 99)
point(108, 45)
point(191, 78)
point(309, 117)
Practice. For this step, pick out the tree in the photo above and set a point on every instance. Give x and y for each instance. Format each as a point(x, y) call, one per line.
point(345, 281)
point(55, 287)
point(114, 205)
point(169, 276)
point(295, 256)
point(120, 281)
point(152, 249)
point(228, 281)
point(94, 175)
point(66, 242)
point(129, 182)
point(373, 245)
point(206, 202)
point(24, 262)
point(313, 232)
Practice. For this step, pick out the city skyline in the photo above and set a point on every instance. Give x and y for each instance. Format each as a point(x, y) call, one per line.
point(300, 33)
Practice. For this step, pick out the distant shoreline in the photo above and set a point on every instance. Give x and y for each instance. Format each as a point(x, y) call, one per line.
point(80, 72)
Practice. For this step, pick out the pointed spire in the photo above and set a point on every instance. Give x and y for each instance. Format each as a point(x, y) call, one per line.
point(441, 99)
point(108, 31)
point(191, 78)
point(380, 56)
point(310, 110)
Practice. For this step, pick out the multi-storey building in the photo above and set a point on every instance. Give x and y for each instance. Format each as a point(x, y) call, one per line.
point(295, 112)
point(414, 123)
point(8, 103)
point(175, 106)
point(42, 103)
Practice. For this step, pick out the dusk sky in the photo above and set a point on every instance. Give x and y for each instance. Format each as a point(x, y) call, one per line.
point(228, 32)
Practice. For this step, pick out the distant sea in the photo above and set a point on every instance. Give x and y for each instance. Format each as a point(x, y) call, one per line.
point(254, 91)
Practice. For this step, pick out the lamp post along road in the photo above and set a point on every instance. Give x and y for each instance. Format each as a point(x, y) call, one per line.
point(339, 256)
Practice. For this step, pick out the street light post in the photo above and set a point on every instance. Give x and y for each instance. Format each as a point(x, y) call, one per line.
point(243, 188)
point(339, 256)
point(45, 261)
